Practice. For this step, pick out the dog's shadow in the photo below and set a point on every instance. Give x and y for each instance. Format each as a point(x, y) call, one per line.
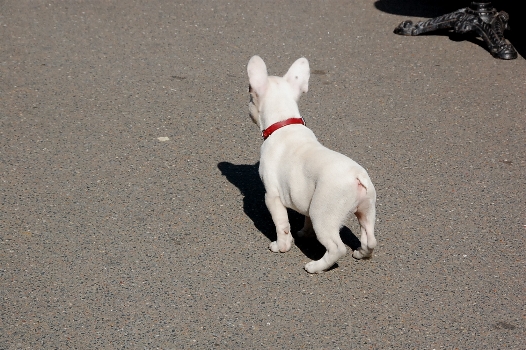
point(246, 178)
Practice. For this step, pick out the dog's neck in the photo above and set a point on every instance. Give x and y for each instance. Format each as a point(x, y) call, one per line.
point(277, 112)
point(276, 126)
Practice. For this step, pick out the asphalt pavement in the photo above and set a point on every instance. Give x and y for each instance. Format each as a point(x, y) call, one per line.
point(132, 214)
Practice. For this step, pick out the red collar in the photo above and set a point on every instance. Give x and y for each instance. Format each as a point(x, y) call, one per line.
point(268, 131)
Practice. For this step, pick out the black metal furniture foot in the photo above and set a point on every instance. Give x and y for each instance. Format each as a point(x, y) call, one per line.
point(480, 17)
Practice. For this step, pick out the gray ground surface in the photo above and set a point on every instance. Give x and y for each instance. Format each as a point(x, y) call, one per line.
point(110, 238)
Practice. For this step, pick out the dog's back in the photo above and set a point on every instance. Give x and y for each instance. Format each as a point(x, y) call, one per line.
point(295, 164)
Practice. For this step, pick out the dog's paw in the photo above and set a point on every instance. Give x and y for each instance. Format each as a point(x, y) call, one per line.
point(273, 246)
point(313, 267)
point(276, 248)
point(360, 254)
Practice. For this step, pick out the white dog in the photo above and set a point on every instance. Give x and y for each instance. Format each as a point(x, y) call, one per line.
point(300, 173)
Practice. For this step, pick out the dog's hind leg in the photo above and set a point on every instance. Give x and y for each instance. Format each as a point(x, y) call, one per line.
point(281, 220)
point(366, 216)
point(329, 236)
point(326, 224)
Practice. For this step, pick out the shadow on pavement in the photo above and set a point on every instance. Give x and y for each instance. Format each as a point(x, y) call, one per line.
point(246, 178)
point(434, 8)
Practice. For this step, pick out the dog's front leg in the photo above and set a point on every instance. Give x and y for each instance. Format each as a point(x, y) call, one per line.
point(281, 220)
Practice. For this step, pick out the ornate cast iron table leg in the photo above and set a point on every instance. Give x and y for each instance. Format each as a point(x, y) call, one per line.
point(480, 17)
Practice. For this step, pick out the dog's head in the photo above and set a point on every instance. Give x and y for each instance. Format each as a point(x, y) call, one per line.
point(275, 94)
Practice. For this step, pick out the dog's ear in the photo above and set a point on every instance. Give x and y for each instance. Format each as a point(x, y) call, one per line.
point(257, 75)
point(298, 76)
